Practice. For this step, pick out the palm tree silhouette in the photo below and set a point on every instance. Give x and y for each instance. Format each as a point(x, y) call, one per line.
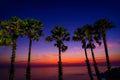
point(59, 35)
point(33, 29)
point(88, 30)
point(13, 27)
point(79, 35)
point(101, 26)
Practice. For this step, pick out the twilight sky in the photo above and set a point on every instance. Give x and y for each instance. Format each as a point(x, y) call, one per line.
point(70, 14)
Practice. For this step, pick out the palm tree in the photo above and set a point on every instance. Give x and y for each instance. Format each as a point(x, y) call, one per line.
point(79, 35)
point(101, 26)
point(88, 30)
point(33, 29)
point(59, 35)
point(13, 27)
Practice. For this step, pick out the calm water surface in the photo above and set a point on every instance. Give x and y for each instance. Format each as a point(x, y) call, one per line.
point(51, 73)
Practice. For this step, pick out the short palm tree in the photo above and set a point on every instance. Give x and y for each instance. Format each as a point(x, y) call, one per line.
point(59, 35)
point(88, 30)
point(101, 26)
point(13, 27)
point(79, 35)
point(33, 29)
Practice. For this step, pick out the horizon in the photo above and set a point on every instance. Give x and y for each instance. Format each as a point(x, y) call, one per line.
point(45, 63)
point(114, 63)
point(71, 20)
point(69, 14)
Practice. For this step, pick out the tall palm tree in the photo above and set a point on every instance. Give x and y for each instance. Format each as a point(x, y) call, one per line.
point(79, 35)
point(33, 29)
point(101, 26)
point(88, 30)
point(13, 27)
point(59, 35)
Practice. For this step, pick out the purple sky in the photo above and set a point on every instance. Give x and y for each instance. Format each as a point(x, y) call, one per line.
point(70, 14)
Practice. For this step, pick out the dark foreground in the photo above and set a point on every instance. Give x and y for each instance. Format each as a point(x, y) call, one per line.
point(114, 74)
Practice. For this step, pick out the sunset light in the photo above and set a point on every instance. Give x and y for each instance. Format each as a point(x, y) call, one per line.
point(59, 39)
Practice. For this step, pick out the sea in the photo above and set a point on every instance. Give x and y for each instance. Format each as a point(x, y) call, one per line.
point(51, 73)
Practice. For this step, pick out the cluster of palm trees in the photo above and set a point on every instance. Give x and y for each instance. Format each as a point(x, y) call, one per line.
point(11, 29)
point(90, 33)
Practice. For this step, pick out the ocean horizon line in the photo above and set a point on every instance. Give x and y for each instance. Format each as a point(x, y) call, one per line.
point(54, 65)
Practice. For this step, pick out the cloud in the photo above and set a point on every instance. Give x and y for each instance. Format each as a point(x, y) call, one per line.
point(76, 48)
point(110, 45)
point(113, 44)
point(54, 54)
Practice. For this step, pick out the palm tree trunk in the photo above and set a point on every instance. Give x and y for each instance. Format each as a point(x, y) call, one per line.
point(88, 65)
point(107, 56)
point(60, 66)
point(106, 52)
point(95, 64)
point(12, 70)
point(28, 70)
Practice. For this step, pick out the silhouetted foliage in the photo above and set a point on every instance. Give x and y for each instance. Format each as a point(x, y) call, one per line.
point(33, 29)
point(114, 74)
point(88, 30)
point(79, 35)
point(101, 26)
point(59, 35)
point(11, 30)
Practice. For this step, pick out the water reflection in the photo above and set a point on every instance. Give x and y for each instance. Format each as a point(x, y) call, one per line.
point(50, 73)
point(28, 72)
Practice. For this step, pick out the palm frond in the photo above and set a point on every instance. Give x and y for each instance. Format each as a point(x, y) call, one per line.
point(64, 48)
point(49, 39)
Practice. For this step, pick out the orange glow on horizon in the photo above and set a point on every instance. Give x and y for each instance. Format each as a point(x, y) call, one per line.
point(67, 58)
